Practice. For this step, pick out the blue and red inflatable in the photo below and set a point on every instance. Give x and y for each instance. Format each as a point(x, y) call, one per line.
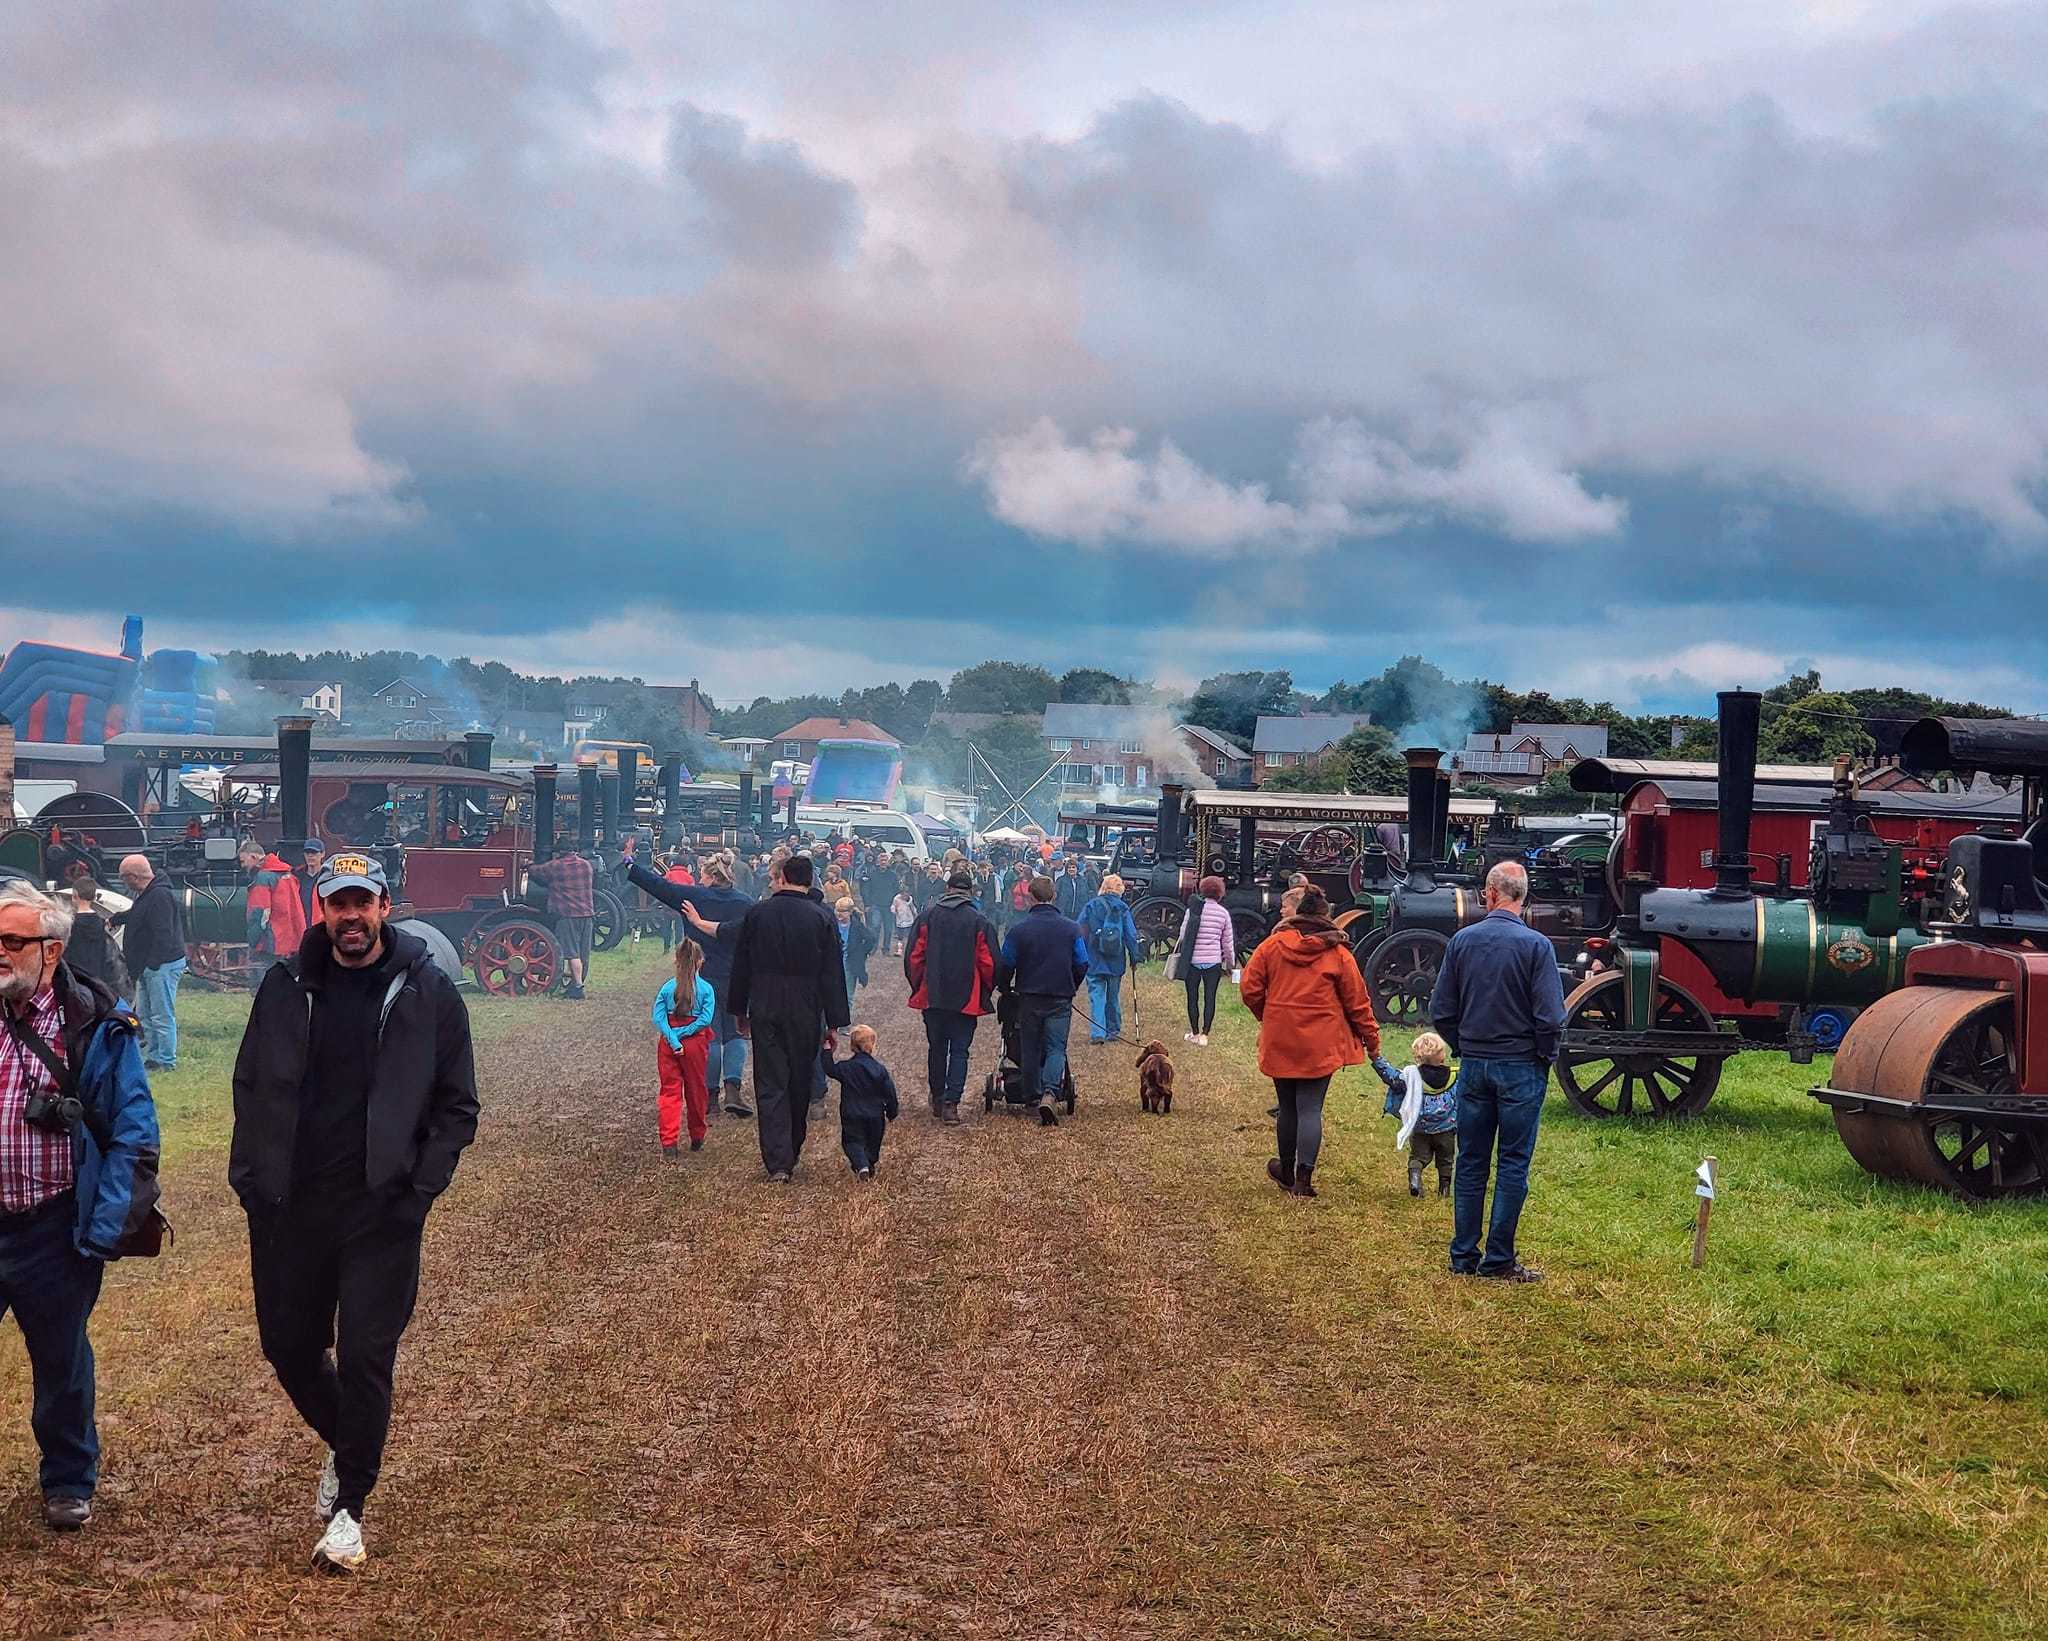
point(53, 692)
point(853, 771)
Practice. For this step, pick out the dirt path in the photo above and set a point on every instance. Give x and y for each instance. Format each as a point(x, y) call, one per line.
point(1006, 1390)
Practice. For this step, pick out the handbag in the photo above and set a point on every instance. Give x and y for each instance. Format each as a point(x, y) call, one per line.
point(147, 1234)
point(1177, 963)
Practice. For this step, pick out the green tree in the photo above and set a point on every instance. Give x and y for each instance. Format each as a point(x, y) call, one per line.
point(1818, 727)
point(1093, 686)
point(1000, 686)
point(1231, 703)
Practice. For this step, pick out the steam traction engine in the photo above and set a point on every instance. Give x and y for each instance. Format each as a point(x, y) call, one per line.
point(1636, 1042)
point(1945, 1082)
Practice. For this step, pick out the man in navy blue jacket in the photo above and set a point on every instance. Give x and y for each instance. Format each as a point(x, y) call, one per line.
point(1499, 1004)
point(1043, 962)
point(74, 1182)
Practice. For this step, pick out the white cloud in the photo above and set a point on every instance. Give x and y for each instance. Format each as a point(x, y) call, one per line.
point(1354, 483)
point(1106, 490)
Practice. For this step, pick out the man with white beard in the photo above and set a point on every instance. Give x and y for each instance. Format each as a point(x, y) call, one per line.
point(78, 1149)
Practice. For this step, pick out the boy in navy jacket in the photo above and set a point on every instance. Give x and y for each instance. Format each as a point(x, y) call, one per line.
point(867, 1102)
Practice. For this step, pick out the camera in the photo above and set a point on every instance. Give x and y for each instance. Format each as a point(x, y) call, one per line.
point(52, 1113)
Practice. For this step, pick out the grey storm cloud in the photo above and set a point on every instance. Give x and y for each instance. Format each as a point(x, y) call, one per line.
point(346, 275)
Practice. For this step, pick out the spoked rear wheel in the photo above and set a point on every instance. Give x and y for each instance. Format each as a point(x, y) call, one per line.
point(1648, 1083)
point(1402, 973)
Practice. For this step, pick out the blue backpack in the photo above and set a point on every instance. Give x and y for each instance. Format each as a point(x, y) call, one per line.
point(1109, 937)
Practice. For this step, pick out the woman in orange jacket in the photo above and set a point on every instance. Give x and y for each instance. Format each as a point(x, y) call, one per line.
point(1315, 1017)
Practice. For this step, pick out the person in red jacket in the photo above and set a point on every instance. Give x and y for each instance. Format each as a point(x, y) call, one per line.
point(287, 907)
point(950, 963)
point(1315, 1018)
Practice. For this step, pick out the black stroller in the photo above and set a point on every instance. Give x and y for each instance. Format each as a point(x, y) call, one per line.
point(1005, 1084)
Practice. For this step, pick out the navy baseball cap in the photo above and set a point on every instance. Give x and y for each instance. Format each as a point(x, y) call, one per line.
point(351, 871)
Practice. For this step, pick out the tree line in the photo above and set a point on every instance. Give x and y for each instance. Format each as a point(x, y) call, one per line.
point(1408, 700)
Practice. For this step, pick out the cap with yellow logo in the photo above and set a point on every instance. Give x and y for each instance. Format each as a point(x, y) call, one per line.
point(351, 870)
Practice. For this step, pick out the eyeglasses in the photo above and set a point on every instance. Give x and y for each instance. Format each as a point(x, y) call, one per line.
point(20, 942)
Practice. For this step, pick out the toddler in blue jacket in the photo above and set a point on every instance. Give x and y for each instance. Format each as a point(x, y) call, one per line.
point(867, 1102)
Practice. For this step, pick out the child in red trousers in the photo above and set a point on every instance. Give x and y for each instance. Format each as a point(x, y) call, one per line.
point(682, 1015)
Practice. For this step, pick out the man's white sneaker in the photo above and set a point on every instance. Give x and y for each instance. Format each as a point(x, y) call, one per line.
point(328, 1491)
point(1201, 1039)
point(340, 1549)
point(1187, 1037)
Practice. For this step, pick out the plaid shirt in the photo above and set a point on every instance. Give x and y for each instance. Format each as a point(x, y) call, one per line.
point(569, 880)
point(34, 1166)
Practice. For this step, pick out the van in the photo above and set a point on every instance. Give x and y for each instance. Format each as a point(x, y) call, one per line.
point(891, 829)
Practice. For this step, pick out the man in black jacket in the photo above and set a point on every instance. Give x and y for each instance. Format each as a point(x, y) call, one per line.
point(788, 995)
point(951, 966)
point(153, 946)
point(355, 1094)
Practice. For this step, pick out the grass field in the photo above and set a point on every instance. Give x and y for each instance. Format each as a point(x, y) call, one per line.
point(1849, 1397)
point(1095, 1381)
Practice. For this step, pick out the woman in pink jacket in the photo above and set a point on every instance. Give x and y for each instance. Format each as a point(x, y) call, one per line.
point(1208, 947)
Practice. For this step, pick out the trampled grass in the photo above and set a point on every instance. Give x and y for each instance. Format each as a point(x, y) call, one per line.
point(1841, 1416)
point(1099, 1380)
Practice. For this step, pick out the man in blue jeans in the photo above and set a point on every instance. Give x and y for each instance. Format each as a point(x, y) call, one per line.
point(1043, 962)
point(1499, 1004)
point(153, 947)
point(950, 963)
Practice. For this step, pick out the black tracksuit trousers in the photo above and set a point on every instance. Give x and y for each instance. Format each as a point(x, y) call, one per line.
point(335, 1284)
point(785, 1064)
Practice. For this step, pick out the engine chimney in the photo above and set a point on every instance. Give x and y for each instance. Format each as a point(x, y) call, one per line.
point(1422, 767)
point(543, 811)
point(746, 805)
point(1740, 711)
point(608, 805)
point(672, 803)
point(586, 808)
point(294, 777)
point(1440, 814)
point(1167, 844)
point(629, 786)
point(7, 772)
point(476, 749)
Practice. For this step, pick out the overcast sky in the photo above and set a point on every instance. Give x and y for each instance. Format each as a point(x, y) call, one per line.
point(1627, 346)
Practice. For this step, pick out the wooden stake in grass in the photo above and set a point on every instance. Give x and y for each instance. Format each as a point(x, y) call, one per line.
point(1709, 1177)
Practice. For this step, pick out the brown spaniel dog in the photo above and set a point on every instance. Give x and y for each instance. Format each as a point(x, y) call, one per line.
point(1155, 1078)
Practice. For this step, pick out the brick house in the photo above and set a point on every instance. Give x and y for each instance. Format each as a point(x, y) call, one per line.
point(1102, 745)
point(800, 741)
point(1292, 743)
point(1217, 756)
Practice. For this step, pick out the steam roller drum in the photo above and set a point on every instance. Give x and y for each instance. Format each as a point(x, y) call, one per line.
point(439, 947)
point(1935, 1042)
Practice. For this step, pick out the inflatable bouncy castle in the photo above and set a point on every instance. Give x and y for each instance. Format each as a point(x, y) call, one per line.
point(855, 772)
point(50, 692)
point(178, 688)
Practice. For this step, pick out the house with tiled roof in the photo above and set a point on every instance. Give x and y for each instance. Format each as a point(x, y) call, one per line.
point(1306, 738)
point(800, 741)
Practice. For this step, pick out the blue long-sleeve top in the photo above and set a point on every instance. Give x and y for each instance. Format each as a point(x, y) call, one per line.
point(699, 1019)
point(1497, 994)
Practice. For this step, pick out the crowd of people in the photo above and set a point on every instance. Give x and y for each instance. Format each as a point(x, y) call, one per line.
point(355, 1096)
